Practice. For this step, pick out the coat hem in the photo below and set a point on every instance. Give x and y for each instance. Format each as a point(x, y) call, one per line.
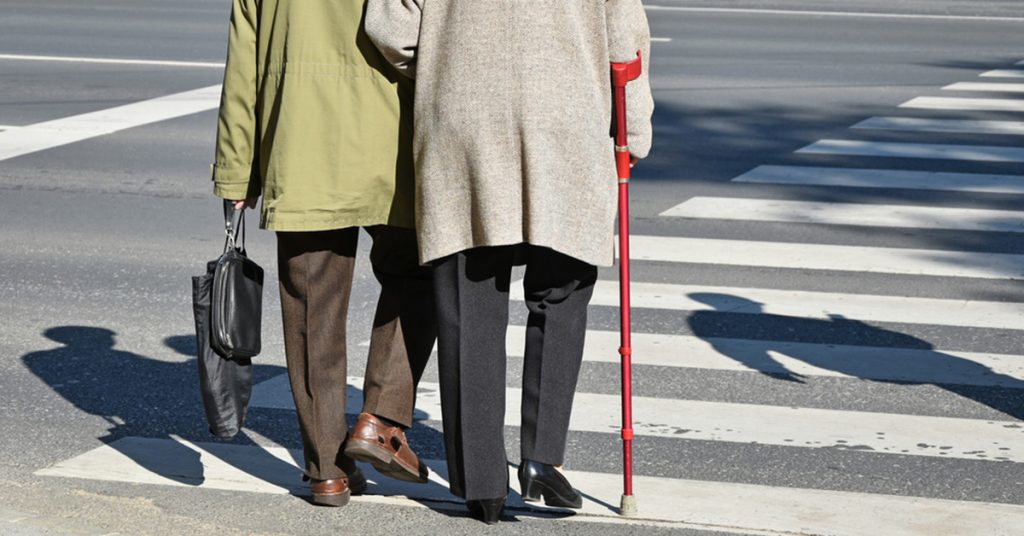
point(589, 257)
point(328, 222)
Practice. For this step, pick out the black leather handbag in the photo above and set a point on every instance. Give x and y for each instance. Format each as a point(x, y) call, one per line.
point(237, 301)
point(227, 304)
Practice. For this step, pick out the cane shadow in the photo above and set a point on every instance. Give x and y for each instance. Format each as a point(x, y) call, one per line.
point(923, 366)
point(150, 405)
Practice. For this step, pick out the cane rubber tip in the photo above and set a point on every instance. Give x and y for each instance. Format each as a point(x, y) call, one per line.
point(627, 507)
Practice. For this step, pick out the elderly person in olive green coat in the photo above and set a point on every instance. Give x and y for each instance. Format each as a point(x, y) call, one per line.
point(514, 160)
point(315, 121)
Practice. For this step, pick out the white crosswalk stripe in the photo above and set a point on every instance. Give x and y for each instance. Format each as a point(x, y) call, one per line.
point(986, 86)
point(884, 178)
point(1005, 73)
point(58, 132)
point(977, 153)
point(770, 210)
point(913, 435)
point(956, 103)
point(820, 305)
point(828, 257)
point(962, 126)
point(807, 359)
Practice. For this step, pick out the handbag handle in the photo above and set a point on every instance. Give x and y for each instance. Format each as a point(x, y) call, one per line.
point(234, 221)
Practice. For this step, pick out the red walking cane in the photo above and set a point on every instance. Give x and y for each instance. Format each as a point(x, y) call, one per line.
point(622, 74)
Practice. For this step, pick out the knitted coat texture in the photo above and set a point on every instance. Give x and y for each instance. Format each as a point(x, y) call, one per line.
point(512, 132)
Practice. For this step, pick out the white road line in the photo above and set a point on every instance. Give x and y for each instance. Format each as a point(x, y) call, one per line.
point(683, 503)
point(49, 134)
point(962, 126)
point(116, 61)
point(884, 178)
point(1004, 73)
point(979, 153)
point(845, 14)
point(885, 364)
point(814, 305)
point(958, 103)
point(740, 423)
point(983, 86)
point(661, 39)
point(904, 216)
point(879, 260)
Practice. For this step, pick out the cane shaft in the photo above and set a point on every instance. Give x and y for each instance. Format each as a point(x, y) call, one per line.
point(622, 74)
point(625, 348)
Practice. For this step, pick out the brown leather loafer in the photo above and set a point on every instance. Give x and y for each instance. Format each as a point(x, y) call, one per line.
point(385, 448)
point(337, 491)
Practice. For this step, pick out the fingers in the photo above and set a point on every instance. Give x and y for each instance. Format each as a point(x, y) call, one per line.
point(249, 202)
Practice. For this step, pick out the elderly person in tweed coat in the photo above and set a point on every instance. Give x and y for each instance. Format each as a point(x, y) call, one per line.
point(514, 159)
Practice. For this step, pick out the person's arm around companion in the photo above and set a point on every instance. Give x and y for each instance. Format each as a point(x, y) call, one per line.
point(394, 27)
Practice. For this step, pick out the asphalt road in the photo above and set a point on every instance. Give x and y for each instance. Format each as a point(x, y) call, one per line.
point(774, 397)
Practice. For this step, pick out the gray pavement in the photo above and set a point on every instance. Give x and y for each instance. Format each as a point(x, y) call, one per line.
point(98, 240)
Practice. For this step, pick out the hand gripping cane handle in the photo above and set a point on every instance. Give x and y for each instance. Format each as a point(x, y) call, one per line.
point(622, 74)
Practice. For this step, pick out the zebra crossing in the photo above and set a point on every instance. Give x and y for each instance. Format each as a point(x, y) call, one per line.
point(869, 363)
point(802, 432)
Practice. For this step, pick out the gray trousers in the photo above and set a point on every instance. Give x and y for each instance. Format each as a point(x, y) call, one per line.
point(472, 295)
point(315, 272)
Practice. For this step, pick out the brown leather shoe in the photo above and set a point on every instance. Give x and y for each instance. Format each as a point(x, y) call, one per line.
point(337, 491)
point(385, 448)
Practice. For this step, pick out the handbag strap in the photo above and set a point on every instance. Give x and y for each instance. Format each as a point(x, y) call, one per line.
point(234, 221)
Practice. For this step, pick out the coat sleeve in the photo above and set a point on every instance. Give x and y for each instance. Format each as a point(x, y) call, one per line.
point(394, 27)
point(236, 162)
point(628, 33)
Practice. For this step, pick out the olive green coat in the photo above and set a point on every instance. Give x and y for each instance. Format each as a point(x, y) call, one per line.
point(313, 118)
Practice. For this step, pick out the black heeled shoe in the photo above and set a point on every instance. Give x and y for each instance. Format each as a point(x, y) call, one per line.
point(487, 510)
point(540, 479)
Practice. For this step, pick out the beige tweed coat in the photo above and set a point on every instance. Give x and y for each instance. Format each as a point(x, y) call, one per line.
point(512, 117)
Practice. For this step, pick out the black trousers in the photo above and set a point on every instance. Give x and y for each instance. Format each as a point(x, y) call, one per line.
point(472, 296)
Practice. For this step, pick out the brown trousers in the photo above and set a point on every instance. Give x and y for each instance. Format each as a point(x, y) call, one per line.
point(315, 276)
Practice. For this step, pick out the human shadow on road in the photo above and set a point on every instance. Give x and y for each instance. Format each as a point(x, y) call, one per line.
point(149, 404)
point(897, 365)
point(155, 412)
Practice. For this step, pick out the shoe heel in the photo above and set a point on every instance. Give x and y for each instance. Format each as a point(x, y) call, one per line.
point(335, 500)
point(491, 511)
point(530, 489)
point(487, 510)
point(365, 451)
